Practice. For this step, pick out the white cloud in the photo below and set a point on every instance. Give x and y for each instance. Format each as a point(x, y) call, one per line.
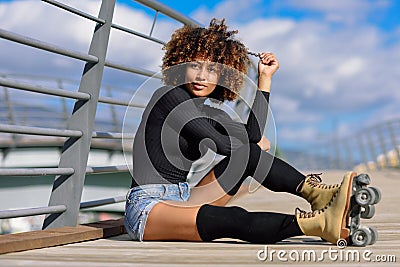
point(288, 110)
point(230, 10)
point(298, 135)
point(256, 32)
point(350, 67)
point(328, 70)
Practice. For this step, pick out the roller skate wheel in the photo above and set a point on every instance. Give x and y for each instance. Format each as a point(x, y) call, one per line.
point(363, 179)
point(377, 193)
point(362, 237)
point(367, 212)
point(374, 236)
point(365, 197)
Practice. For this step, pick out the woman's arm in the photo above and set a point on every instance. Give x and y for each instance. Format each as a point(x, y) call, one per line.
point(267, 66)
point(183, 115)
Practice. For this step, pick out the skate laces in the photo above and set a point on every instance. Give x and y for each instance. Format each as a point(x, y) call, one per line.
point(310, 214)
point(316, 181)
point(315, 177)
point(306, 214)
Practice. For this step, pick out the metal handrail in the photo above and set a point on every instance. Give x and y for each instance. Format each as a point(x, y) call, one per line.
point(111, 135)
point(135, 70)
point(373, 147)
point(102, 202)
point(130, 31)
point(74, 11)
point(43, 90)
point(110, 100)
point(60, 171)
point(5, 214)
point(46, 46)
point(5, 128)
point(166, 10)
point(36, 171)
point(107, 169)
point(62, 80)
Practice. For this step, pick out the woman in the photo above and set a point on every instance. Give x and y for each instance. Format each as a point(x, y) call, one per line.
point(177, 128)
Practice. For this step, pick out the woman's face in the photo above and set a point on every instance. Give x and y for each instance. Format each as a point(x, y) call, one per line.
point(201, 77)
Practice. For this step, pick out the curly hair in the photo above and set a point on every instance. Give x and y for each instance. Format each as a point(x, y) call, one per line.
point(214, 43)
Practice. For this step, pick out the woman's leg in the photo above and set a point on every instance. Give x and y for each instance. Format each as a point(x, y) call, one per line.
point(181, 220)
point(191, 222)
point(209, 191)
point(177, 220)
point(197, 220)
point(169, 221)
point(235, 222)
point(207, 222)
point(273, 173)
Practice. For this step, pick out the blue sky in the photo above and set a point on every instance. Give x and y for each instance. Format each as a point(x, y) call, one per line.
point(387, 17)
point(339, 58)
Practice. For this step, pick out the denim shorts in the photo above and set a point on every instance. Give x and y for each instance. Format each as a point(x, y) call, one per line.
point(141, 199)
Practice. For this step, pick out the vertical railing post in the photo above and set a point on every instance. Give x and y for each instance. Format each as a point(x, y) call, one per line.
point(65, 114)
point(348, 155)
point(363, 152)
point(114, 116)
point(371, 146)
point(381, 137)
point(67, 189)
point(11, 116)
point(393, 140)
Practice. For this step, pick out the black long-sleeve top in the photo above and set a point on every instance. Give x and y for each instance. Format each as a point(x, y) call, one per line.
point(176, 129)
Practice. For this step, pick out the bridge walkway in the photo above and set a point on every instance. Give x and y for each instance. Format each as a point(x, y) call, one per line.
point(120, 251)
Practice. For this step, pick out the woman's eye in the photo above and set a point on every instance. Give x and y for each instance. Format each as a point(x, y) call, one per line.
point(212, 68)
point(195, 66)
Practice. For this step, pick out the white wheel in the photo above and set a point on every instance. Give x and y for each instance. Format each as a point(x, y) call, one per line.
point(368, 212)
point(365, 196)
point(362, 237)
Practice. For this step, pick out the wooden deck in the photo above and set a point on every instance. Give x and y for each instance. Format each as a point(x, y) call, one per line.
point(120, 251)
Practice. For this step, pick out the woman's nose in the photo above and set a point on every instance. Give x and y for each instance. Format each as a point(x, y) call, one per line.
point(202, 74)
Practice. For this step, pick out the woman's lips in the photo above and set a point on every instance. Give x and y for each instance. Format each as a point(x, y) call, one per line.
point(199, 86)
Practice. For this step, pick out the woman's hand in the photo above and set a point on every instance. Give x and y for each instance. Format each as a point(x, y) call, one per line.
point(264, 144)
point(267, 66)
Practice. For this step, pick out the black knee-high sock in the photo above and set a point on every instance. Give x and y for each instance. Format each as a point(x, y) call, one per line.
point(215, 222)
point(273, 173)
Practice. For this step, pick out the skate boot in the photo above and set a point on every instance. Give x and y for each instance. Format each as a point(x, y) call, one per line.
point(317, 193)
point(330, 222)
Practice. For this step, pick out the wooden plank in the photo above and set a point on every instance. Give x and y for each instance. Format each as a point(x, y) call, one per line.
point(110, 227)
point(60, 236)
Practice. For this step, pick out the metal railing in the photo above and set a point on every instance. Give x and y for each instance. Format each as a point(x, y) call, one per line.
point(373, 148)
point(77, 128)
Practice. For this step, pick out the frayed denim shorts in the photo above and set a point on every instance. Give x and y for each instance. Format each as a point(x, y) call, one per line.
point(141, 199)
